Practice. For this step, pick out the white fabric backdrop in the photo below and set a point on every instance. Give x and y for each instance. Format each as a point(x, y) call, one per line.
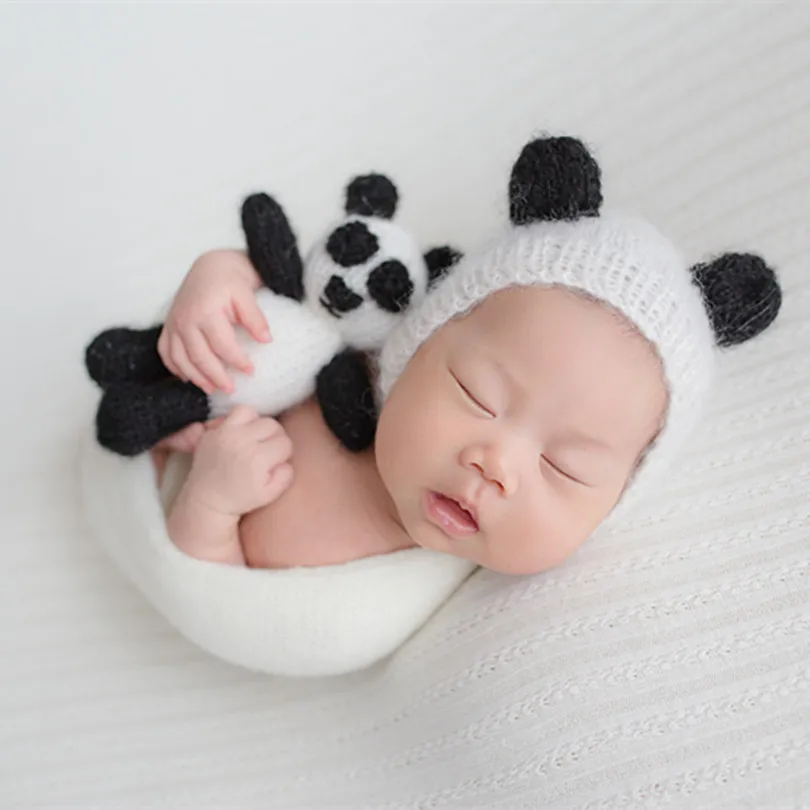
point(668, 664)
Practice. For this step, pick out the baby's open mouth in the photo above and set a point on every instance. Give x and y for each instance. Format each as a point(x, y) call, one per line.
point(448, 514)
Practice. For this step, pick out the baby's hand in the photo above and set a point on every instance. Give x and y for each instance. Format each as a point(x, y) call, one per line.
point(198, 336)
point(241, 463)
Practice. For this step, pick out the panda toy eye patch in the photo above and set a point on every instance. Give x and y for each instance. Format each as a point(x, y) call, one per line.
point(390, 286)
point(351, 244)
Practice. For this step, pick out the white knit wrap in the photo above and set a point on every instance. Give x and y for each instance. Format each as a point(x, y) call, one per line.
point(622, 261)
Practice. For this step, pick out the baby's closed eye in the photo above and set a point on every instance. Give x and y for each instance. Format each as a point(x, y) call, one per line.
point(564, 470)
point(590, 463)
point(473, 396)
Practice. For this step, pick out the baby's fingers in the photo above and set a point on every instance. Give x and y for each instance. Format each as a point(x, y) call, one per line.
point(222, 339)
point(240, 415)
point(265, 428)
point(276, 449)
point(278, 481)
point(185, 369)
point(250, 316)
point(164, 350)
point(206, 361)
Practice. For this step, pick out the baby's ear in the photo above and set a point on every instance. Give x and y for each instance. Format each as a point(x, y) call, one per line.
point(741, 293)
point(439, 260)
point(554, 179)
point(372, 195)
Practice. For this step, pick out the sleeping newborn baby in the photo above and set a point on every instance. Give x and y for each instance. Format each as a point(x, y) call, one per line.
point(548, 378)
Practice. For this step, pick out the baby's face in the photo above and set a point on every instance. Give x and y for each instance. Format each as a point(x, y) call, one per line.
point(513, 431)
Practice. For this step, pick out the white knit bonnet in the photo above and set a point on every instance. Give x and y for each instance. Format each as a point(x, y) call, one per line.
point(556, 237)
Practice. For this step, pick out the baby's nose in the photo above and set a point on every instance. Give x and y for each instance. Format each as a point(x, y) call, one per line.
point(490, 463)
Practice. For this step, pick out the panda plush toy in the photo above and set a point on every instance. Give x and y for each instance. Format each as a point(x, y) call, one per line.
point(327, 313)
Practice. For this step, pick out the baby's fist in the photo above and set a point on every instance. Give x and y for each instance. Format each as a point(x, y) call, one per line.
point(241, 463)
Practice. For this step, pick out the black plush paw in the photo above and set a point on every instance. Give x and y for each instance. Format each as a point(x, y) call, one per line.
point(133, 418)
point(741, 293)
point(554, 179)
point(344, 392)
point(125, 355)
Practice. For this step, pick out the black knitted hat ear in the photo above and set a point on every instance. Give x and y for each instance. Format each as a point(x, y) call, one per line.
point(372, 195)
point(742, 296)
point(554, 179)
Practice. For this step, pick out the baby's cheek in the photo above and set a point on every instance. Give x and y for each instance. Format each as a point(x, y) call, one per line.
point(545, 543)
point(542, 535)
point(410, 433)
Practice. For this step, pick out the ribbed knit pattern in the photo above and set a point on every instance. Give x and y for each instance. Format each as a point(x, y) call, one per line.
point(666, 666)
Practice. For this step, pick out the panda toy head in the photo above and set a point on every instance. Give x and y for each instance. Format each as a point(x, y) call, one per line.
point(367, 271)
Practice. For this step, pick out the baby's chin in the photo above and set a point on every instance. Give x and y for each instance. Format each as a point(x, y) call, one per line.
point(425, 535)
point(430, 537)
point(476, 549)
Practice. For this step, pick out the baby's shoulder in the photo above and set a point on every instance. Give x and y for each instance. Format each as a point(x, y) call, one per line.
point(336, 509)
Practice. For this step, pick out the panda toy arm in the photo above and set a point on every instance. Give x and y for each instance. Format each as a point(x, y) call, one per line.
point(346, 398)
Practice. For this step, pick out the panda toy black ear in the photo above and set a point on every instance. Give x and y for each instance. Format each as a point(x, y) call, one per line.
point(372, 195)
point(272, 246)
point(554, 179)
point(741, 293)
point(439, 260)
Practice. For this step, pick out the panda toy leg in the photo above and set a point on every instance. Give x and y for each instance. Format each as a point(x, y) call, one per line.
point(140, 407)
point(133, 417)
point(125, 355)
point(346, 397)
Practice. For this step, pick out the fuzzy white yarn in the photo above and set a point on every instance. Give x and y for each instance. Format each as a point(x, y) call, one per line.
point(622, 261)
point(300, 622)
point(285, 369)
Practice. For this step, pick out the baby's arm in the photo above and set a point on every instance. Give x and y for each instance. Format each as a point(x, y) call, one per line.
point(335, 511)
point(239, 465)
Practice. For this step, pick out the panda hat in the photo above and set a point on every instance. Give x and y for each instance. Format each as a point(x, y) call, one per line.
point(558, 238)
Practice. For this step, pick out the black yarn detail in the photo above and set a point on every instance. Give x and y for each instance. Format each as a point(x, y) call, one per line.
point(390, 285)
point(125, 355)
point(338, 299)
point(372, 195)
point(554, 179)
point(133, 418)
point(345, 394)
point(351, 244)
point(741, 293)
point(272, 246)
point(439, 260)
